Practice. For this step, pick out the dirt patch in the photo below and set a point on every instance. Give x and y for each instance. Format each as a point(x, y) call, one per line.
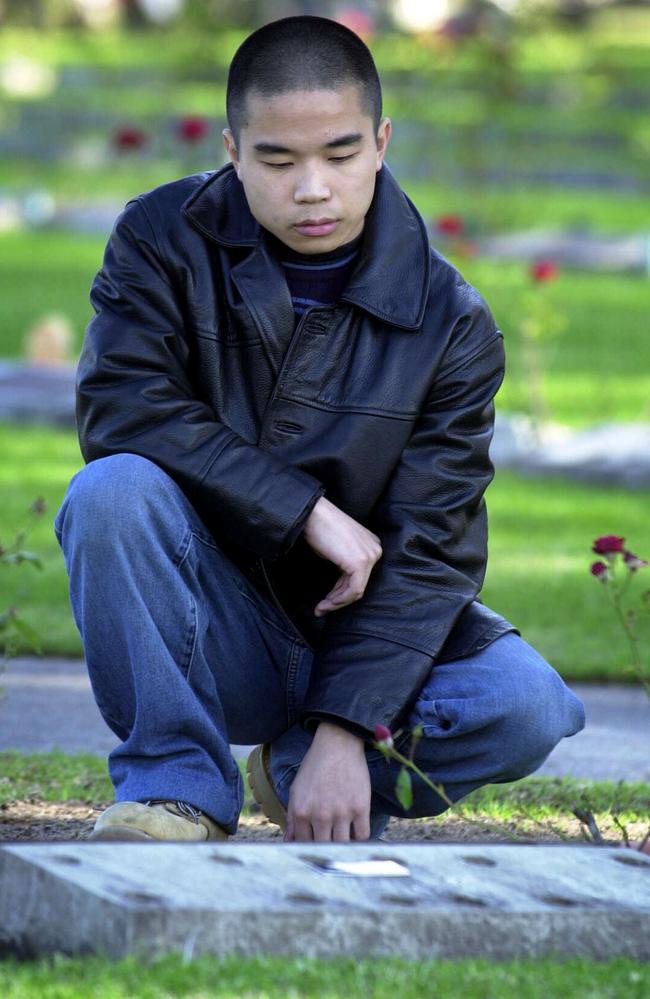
point(48, 822)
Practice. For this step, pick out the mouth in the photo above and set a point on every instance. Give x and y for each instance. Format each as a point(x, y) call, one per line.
point(316, 227)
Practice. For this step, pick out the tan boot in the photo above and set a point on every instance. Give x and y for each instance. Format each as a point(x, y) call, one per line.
point(174, 821)
point(261, 784)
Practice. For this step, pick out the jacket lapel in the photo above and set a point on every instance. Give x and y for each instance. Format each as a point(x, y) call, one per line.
point(394, 256)
point(272, 311)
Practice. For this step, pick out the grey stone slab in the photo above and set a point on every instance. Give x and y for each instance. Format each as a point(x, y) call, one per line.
point(37, 393)
point(608, 452)
point(588, 250)
point(438, 900)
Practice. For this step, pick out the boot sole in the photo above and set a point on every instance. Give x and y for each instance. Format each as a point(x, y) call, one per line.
point(261, 785)
point(121, 834)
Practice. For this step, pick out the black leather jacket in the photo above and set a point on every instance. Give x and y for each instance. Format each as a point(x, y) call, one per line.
point(382, 402)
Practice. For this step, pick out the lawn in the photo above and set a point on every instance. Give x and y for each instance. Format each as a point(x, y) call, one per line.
point(541, 534)
point(83, 777)
point(310, 978)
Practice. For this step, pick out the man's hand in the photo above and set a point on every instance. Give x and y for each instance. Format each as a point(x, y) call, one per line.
point(347, 543)
point(330, 795)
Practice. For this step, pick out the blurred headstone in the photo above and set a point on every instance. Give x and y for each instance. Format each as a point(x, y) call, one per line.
point(50, 341)
point(99, 13)
point(161, 11)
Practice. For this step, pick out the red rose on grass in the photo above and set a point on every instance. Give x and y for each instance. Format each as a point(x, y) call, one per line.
point(357, 20)
point(598, 569)
point(129, 138)
point(608, 544)
point(193, 129)
point(450, 225)
point(544, 270)
point(633, 562)
point(383, 735)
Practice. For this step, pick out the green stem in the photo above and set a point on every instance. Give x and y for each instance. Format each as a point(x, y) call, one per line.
point(438, 788)
point(631, 637)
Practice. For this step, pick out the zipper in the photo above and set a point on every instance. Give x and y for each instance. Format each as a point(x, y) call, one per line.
point(279, 606)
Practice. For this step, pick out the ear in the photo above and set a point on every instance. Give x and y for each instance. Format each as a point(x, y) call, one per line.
point(383, 136)
point(231, 148)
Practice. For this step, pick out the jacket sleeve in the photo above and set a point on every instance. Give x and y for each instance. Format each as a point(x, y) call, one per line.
point(134, 395)
point(376, 653)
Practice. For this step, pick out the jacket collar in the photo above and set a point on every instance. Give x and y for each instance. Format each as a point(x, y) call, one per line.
point(391, 279)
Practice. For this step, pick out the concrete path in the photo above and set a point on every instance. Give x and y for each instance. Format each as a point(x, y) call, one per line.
point(49, 703)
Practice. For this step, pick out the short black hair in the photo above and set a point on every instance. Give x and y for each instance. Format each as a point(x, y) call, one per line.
point(301, 53)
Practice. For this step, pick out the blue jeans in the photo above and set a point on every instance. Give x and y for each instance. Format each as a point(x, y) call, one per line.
point(185, 656)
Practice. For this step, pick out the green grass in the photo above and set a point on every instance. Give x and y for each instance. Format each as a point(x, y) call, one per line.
point(59, 776)
point(538, 574)
point(538, 570)
point(54, 776)
point(38, 462)
point(513, 207)
point(271, 977)
point(42, 273)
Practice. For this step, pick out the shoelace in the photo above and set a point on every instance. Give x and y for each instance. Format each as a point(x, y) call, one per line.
point(189, 811)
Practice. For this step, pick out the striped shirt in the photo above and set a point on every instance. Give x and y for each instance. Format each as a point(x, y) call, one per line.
point(317, 278)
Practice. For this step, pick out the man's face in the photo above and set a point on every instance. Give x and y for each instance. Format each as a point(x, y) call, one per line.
point(308, 162)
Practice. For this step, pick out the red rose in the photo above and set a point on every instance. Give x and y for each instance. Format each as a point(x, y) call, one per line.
point(128, 138)
point(450, 225)
point(598, 569)
point(544, 270)
point(193, 129)
point(608, 544)
point(358, 21)
point(383, 735)
point(633, 562)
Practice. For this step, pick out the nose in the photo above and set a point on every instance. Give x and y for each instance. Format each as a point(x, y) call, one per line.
point(311, 187)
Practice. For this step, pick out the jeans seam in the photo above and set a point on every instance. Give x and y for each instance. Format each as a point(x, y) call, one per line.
point(292, 673)
point(189, 648)
point(190, 645)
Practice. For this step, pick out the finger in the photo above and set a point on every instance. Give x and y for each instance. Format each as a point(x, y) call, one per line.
point(289, 832)
point(303, 832)
point(341, 831)
point(353, 589)
point(361, 828)
point(322, 831)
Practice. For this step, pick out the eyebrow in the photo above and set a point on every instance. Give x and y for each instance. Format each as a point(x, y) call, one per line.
point(269, 148)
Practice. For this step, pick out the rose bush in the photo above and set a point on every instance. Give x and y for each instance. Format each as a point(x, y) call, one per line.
point(616, 571)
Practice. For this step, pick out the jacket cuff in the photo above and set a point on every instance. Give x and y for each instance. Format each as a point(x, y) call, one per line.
point(362, 680)
point(301, 520)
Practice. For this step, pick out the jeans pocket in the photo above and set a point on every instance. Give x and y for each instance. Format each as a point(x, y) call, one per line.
point(267, 611)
